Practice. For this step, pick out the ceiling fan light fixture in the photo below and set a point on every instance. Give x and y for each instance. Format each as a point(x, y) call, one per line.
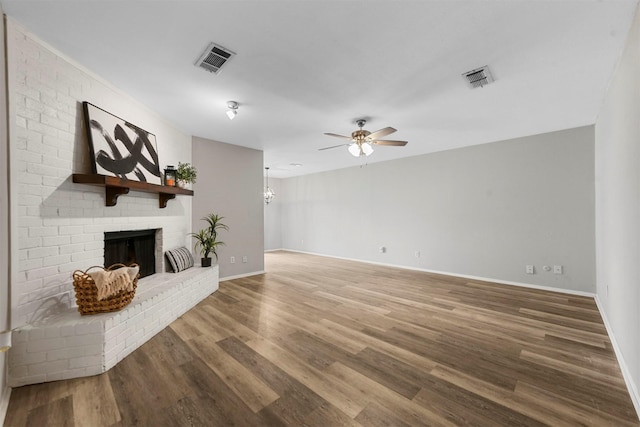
point(360, 149)
point(232, 109)
point(362, 141)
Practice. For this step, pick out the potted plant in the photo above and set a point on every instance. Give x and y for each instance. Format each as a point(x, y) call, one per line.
point(186, 174)
point(207, 238)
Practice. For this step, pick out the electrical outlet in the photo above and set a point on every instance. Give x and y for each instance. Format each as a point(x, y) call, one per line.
point(232, 260)
point(244, 259)
point(383, 250)
point(557, 269)
point(530, 269)
point(416, 254)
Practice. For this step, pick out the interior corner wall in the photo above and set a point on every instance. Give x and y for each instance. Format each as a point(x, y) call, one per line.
point(617, 137)
point(4, 217)
point(273, 219)
point(483, 211)
point(229, 183)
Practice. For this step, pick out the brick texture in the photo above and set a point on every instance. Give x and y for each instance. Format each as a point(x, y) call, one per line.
point(61, 224)
point(68, 345)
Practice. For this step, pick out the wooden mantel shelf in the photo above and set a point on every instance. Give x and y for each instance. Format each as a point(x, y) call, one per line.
point(114, 187)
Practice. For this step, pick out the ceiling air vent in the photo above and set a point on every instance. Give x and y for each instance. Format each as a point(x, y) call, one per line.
point(479, 77)
point(214, 58)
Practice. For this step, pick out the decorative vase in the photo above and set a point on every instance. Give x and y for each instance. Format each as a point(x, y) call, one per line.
point(205, 262)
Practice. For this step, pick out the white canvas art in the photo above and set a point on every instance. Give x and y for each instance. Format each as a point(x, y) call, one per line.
point(119, 148)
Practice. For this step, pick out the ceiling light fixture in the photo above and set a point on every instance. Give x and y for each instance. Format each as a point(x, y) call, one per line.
point(354, 149)
point(269, 194)
point(232, 109)
point(360, 148)
point(361, 145)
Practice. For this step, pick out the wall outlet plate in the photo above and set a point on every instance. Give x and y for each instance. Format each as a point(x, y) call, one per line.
point(557, 269)
point(529, 269)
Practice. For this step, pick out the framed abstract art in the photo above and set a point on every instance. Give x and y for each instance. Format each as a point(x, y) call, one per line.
point(119, 148)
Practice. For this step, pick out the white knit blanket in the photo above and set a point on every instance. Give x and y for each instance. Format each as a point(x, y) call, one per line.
point(110, 282)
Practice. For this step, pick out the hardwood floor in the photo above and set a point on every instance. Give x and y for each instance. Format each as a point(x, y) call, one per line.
point(324, 342)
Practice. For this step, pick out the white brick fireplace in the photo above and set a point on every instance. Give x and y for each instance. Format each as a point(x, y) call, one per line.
point(59, 226)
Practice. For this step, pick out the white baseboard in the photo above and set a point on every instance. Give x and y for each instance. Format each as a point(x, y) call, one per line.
point(275, 250)
point(465, 276)
point(240, 276)
point(4, 404)
point(628, 378)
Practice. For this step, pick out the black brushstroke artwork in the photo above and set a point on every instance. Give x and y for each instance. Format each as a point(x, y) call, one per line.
point(128, 154)
point(120, 165)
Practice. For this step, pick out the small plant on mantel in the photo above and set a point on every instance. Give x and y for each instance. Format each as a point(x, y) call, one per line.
point(186, 173)
point(207, 238)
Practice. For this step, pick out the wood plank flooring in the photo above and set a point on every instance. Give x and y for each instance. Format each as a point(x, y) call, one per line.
point(324, 342)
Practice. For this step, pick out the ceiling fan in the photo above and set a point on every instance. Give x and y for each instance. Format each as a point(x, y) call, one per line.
point(362, 140)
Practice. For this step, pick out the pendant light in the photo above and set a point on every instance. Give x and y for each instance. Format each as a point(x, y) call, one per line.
point(268, 192)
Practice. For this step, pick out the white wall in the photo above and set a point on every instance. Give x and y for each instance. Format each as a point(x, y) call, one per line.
point(230, 184)
point(4, 220)
point(618, 209)
point(57, 225)
point(273, 218)
point(483, 211)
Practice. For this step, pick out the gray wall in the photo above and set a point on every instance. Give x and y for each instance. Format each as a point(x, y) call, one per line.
point(273, 219)
point(484, 211)
point(618, 209)
point(4, 217)
point(230, 184)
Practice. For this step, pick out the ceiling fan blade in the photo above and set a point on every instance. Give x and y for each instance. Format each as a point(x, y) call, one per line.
point(337, 136)
point(390, 142)
point(380, 133)
point(333, 146)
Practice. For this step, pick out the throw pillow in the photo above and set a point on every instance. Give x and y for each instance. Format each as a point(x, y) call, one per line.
point(179, 259)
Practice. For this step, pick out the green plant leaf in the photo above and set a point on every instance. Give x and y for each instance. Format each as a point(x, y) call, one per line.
point(186, 172)
point(207, 238)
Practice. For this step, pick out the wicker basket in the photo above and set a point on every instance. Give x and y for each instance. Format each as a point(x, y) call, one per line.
point(87, 293)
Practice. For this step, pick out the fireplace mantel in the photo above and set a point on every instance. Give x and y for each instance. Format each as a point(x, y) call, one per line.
point(114, 187)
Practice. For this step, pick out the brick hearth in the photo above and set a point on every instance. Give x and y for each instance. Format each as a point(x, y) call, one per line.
point(67, 345)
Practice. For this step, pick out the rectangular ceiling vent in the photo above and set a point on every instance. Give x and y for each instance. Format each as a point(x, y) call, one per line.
point(214, 58)
point(479, 77)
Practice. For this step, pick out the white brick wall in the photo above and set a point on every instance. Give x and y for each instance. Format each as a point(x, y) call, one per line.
point(60, 224)
point(68, 345)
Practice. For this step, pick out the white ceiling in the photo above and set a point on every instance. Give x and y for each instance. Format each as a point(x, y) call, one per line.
point(306, 67)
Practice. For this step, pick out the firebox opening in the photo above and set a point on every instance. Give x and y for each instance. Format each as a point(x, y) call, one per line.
point(127, 247)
